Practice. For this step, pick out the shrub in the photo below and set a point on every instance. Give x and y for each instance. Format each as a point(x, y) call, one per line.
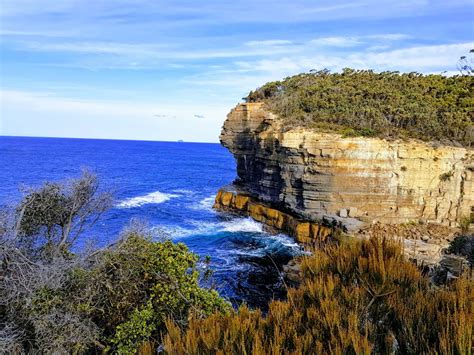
point(356, 297)
point(49, 219)
point(135, 286)
point(113, 299)
point(387, 104)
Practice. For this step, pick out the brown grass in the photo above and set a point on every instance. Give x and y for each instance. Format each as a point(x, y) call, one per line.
point(357, 297)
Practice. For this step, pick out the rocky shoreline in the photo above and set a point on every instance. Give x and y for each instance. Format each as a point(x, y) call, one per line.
point(309, 184)
point(319, 175)
point(303, 231)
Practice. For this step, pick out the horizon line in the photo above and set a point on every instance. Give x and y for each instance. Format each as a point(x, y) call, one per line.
point(110, 139)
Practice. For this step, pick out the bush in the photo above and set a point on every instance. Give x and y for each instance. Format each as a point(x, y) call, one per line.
point(134, 287)
point(55, 301)
point(356, 297)
point(387, 104)
point(49, 219)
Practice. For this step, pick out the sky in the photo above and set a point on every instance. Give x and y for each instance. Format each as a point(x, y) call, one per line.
point(170, 70)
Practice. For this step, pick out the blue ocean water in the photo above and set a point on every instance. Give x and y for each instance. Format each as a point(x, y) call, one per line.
point(172, 187)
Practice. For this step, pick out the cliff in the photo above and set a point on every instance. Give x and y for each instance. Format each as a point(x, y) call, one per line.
point(304, 231)
point(316, 175)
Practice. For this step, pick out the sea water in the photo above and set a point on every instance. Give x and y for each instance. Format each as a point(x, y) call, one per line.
point(169, 185)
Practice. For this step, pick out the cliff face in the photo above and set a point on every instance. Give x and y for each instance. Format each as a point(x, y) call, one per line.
point(303, 231)
point(315, 175)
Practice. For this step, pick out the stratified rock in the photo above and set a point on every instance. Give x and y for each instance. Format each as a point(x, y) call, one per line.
point(343, 213)
point(304, 231)
point(315, 175)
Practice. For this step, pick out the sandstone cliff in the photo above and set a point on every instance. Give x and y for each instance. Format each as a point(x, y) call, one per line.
point(318, 175)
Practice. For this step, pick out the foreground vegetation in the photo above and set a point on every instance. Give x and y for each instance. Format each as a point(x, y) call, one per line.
point(387, 104)
point(356, 297)
point(144, 293)
point(53, 300)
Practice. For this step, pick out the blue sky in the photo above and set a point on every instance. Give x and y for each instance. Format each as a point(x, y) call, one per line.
point(169, 70)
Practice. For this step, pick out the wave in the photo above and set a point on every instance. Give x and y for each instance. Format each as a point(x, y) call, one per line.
point(241, 225)
point(151, 198)
point(236, 225)
point(204, 204)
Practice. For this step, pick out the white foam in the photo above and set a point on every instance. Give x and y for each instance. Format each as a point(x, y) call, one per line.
point(175, 232)
point(242, 225)
point(285, 240)
point(204, 204)
point(151, 198)
point(233, 226)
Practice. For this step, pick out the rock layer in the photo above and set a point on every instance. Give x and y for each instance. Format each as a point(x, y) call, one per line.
point(314, 174)
point(302, 230)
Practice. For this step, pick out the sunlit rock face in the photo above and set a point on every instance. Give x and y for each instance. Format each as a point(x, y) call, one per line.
point(315, 175)
point(302, 230)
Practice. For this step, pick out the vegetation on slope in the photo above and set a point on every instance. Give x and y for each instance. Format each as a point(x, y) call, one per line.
point(356, 297)
point(53, 300)
point(387, 104)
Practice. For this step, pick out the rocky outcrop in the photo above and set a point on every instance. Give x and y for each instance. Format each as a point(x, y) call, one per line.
point(316, 175)
point(303, 231)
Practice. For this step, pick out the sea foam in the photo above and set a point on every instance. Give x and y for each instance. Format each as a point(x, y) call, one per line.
point(236, 225)
point(205, 204)
point(241, 225)
point(151, 198)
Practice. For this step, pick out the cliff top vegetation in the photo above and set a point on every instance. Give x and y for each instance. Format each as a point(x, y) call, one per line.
point(366, 103)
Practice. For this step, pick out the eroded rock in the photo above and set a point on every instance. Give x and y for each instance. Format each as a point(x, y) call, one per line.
point(313, 173)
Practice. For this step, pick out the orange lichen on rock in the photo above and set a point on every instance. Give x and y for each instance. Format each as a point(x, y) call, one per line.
point(302, 230)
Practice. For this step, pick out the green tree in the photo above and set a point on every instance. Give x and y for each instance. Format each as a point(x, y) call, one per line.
point(53, 300)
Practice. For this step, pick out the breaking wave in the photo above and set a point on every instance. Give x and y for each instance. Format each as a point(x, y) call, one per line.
point(205, 204)
point(236, 225)
point(151, 198)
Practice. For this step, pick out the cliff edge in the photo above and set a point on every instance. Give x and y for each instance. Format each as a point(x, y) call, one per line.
point(316, 175)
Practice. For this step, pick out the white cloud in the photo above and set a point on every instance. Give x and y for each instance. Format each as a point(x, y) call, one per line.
point(389, 36)
point(70, 117)
point(116, 55)
point(418, 58)
point(155, 52)
point(352, 41)
point(336, 41)
point(269, 42)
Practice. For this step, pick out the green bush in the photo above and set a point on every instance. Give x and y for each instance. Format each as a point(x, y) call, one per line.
point(140, 283)
point(356, 297)
point(111, 299)
point(387, 104)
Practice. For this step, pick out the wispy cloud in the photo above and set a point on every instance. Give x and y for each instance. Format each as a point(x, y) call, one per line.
point(125, 58)
point(147, 55)
point(269, 42)
point(336, 41)
point(352, 41)
point(418, 58)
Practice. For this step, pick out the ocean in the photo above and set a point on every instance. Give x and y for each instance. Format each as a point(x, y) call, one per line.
point(170, 186)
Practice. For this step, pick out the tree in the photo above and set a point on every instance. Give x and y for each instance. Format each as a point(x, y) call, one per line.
point(54, 300)
point(56, 214)
point(466, 63)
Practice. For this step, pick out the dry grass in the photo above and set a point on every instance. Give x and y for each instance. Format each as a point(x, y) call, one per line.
point(357, 297)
